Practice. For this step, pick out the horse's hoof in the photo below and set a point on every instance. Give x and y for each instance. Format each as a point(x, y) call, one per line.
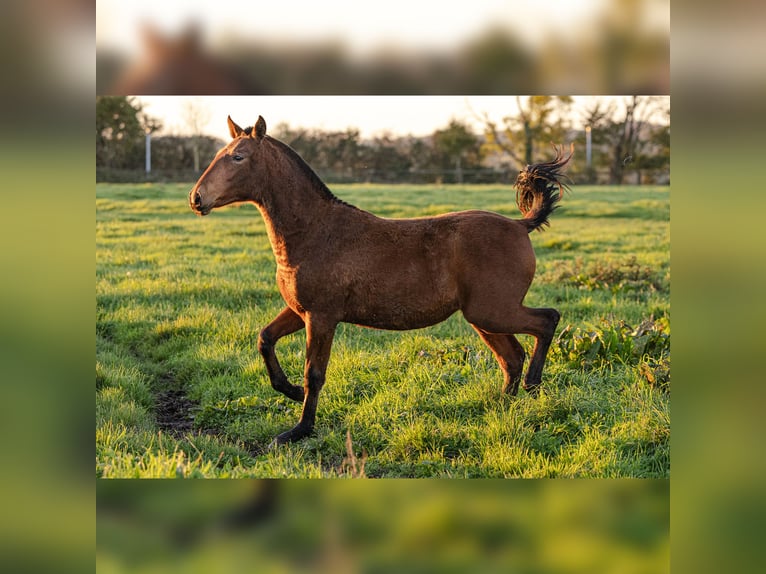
point(533, 392)
point(293, 435)
point(511, 390)
point(281, 439)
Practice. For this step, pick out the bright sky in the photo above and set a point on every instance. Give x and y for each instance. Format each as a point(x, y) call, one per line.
point(360, 25)
point(372, 115)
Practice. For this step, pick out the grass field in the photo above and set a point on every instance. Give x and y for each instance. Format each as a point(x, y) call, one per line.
point(182, 391)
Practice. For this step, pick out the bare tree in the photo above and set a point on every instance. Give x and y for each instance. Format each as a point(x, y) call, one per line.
point(196, 115)
point(542, 120)
point(623, 130)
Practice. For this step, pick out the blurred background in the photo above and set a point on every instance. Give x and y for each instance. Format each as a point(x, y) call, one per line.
point(401, 47)
point(408, 526)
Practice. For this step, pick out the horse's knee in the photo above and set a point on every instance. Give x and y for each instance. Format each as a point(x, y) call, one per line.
point(314, 380)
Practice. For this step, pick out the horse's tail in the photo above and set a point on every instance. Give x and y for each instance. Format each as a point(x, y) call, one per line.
point(539, 189)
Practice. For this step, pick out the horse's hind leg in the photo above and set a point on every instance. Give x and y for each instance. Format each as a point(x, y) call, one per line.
point(285, 323)
point(509, 354)
point(541, 324)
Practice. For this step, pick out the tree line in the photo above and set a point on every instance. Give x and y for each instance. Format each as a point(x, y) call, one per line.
point(626, 147)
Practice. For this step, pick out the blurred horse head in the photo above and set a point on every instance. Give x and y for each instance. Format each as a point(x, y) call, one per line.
point(178, 65)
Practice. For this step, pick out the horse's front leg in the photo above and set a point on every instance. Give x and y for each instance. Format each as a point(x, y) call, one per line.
point(319, 336)
point(286, 322)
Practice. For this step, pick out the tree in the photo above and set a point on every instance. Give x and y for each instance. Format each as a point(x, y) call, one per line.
point(495, 62)
point(625, 133)
point(386, 158)
point(196, 115)
point(659, 141)
point(542, 120)
point(175, 154)
point(332, 153)
point(121, 127)
point(457, 142)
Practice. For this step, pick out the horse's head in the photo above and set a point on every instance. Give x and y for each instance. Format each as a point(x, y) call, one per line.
point(179, 65)
point(232, 174)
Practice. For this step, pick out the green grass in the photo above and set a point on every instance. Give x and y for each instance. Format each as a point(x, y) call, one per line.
point(180, 301)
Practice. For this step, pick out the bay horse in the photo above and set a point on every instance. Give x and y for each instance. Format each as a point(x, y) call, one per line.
point(337, 263)
point(171, 65)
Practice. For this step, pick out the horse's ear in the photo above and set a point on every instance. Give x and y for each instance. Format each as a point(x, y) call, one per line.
point(234, 129)
point(260, 128)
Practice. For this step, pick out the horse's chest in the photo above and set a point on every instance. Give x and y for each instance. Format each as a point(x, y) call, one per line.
point(287, 282)
point(301, 289)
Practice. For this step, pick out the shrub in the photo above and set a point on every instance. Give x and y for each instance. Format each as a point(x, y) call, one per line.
point(615, 276)
point(595, 345)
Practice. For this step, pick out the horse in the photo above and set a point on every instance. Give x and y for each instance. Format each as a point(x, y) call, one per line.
point(179, 65)
point(338, 263)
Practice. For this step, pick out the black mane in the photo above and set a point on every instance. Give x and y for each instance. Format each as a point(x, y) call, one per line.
point(316, 181)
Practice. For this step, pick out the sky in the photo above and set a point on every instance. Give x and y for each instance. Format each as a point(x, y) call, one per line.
point(371, 115)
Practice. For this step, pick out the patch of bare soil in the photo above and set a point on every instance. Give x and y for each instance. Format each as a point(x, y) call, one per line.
point(174, 411)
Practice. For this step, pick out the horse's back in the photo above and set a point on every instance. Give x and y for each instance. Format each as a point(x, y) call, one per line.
point(484, 253)
point(473, 241)
point(492, 237)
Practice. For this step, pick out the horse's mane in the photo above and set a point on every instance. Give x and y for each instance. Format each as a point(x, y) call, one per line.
point(319, 186)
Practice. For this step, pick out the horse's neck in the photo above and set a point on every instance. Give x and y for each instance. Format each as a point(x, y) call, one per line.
point(292, 214)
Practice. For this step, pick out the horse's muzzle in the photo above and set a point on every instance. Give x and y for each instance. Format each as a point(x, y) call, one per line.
point(195, 202)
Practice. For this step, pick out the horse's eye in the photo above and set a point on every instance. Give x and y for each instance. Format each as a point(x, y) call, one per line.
point(237, 157)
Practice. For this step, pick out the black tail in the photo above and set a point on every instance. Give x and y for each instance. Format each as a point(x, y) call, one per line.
point(539, 189)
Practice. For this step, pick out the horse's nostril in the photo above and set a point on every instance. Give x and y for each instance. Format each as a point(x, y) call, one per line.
point(197, 200)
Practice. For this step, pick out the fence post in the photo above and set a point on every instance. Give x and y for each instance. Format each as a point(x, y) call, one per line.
point(148, 152)
point(589, 174)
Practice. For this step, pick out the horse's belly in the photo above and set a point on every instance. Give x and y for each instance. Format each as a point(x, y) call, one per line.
point(403, 293)
point(391, 323)
point(399, 315)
